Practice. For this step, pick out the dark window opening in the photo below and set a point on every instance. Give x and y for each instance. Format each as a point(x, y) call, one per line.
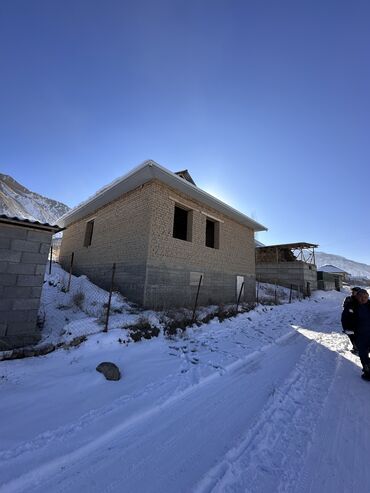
point(88, 233)
point(180, 224)
point(210, 233)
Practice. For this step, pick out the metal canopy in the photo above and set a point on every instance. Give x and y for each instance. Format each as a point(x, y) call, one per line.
point(289, 252)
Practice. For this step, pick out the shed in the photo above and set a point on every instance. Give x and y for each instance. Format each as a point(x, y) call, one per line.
point(24, 249)
point(289, 264)
point(332, 269)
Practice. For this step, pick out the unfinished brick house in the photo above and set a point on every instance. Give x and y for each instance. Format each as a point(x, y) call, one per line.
point(163, 233)
point(24, 249)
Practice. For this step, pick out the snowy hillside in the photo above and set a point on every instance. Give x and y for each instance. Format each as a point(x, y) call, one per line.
point(355, 269)
point(16, 200)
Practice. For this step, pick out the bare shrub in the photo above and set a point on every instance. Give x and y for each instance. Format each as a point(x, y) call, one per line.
point(143, 329)
point(78, 299)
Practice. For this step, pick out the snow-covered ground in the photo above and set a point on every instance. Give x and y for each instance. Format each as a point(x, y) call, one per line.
point(269, 401)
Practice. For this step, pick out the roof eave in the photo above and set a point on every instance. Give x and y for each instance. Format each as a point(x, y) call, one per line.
point(142, 174)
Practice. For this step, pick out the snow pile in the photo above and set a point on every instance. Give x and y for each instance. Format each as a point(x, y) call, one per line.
point(82, 309)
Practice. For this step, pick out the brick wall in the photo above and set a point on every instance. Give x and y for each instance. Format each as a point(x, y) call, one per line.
point(121, 235)
point(23, 256)
point(171, 260)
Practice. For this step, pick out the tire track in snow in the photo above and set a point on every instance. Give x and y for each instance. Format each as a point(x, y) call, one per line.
point(37, 475)
point(274, 449)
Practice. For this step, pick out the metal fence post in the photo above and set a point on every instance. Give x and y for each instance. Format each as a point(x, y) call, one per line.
point(110, 298)
point(70, 271)
point(290, 293)
point(51, 258)
point(196, 299)
point(257, 293)
point(240, 293)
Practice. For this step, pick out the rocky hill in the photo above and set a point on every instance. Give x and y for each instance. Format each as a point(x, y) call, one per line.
point(355, 269)
point(17, 200)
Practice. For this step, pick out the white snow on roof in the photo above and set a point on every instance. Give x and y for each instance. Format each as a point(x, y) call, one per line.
point(143, 173)
point(331, 268)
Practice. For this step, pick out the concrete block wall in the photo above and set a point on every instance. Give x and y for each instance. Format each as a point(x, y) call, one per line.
point(23, 257)
point(288, 273)
point(171, 260)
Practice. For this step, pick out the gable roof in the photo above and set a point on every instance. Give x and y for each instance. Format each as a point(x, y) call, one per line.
point(331, 268)
point(143, 173)
point(186, 176)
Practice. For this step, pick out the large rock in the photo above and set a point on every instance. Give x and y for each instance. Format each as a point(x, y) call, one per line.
point(109, 370)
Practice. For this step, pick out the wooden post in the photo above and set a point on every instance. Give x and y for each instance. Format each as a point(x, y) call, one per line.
point(110, 298)
point(196, 299)
point(51, 258)
point(258, 290)
point(70, 271)
point(240, 293)
point(290, 294)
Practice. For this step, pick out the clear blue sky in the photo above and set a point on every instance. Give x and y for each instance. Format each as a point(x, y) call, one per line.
point(265, 102)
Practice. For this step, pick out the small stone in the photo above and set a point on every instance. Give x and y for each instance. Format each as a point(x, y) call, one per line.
point(109, 370)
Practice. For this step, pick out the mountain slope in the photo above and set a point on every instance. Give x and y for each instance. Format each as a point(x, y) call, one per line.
point(17, 200)
point(355, 269)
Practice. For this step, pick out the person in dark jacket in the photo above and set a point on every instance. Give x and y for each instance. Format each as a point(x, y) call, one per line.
point(362, 330)
point(349, 305)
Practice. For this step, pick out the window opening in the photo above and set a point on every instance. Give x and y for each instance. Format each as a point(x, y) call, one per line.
point(89, 233)
point(180, 223)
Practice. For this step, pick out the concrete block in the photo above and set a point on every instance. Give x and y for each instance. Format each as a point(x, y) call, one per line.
point(8, 279)
point(31, 304)
point(34, 258)
point(4, 242)
point(6, 304)
point(18, 292)
point(10, 232)
point(44, 248)
point(32, 315)
point(17, 341)
point(34, 281)
point(17, 328)
point(10, 255)
point(36, 292)
point(25, 246)
point(40, 236)
point(13, 316)
point(3, 327)
point(40, 269)
point(20, 268)
point(4, 267)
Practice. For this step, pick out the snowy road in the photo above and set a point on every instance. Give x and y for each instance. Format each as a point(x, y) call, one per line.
point(267, 402)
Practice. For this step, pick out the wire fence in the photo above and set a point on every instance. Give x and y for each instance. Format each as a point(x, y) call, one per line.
point(80, 293)
point(277, 294)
